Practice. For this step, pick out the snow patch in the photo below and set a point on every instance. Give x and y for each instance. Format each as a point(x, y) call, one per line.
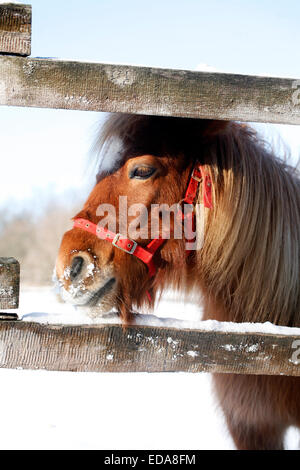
point(6, 291)
point(67, 273)
point(241, 347)
point(252, 348)
point(229, 347)
point(90, 269)
point(43, 305)
point(193, 353)
point(173, 343)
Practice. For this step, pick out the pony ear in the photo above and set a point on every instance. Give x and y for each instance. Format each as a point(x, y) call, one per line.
point(214, 127)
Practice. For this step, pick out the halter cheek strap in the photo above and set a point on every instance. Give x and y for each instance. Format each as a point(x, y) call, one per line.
point(199, 176)
point(146, 254)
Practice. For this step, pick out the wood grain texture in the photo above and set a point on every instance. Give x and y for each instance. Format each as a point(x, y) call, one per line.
point(9, 283)
point(15, 29)
point(109, 348)
point(50, 83)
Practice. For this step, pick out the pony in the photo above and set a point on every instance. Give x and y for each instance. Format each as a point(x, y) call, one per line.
point(246, 270)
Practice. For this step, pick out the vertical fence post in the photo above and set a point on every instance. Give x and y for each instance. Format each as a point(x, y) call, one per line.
point(9, 283)
point(15, 29)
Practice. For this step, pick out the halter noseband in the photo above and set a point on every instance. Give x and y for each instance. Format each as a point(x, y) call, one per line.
point(146, 254)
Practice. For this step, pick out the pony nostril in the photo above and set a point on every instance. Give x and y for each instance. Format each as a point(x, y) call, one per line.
point(76, 267)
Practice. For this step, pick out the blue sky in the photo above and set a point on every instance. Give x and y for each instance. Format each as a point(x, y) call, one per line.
point(46, 150)
point(245, 36)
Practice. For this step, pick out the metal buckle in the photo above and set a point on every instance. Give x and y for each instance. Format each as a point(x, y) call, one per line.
point(132, 249)
point(196, 177)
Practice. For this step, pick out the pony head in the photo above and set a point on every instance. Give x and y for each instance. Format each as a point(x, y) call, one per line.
point(144, 169)
point(248, 266)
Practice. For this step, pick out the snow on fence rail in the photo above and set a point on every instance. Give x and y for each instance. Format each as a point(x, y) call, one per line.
point(140, 348)
point(103, 87)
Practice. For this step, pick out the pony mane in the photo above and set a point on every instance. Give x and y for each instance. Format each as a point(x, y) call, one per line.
point(124, 135)
point(249, 266)
point(251, 254)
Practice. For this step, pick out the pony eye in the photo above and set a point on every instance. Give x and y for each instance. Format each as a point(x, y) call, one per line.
point(142, 172)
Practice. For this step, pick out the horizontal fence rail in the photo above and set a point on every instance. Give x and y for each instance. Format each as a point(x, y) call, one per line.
point(111, 348)
point(47, 83)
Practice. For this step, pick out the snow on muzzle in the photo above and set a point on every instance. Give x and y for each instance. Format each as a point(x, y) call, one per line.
point(83, 281)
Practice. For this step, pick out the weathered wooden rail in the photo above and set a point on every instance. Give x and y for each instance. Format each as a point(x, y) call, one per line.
point(51, 83)
point(142, 90)
point(47, 83)
point(110, 348)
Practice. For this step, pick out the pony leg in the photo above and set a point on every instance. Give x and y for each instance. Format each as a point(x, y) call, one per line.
point(253, 410)
point(254, 437)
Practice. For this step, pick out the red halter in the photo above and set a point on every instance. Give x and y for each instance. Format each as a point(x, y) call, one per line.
point(146, 254)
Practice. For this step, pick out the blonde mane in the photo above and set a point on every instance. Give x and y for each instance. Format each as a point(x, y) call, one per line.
point(250, 262)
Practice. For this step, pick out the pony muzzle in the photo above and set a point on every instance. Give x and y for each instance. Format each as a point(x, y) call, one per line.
point(84, 282)
point(79, 274)
point(82, 267)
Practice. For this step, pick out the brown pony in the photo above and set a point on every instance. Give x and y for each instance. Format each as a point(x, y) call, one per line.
point(247, 270)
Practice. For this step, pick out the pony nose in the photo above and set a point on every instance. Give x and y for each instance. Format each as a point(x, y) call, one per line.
point(76, 267)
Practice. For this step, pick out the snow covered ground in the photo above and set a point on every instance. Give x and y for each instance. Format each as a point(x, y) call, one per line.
point(65, 410)
point(61, 410)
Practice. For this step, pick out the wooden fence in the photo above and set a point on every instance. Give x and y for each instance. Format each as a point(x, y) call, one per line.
point(51, 83)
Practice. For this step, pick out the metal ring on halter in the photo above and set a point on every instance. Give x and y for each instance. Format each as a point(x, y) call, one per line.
point(199, 179)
